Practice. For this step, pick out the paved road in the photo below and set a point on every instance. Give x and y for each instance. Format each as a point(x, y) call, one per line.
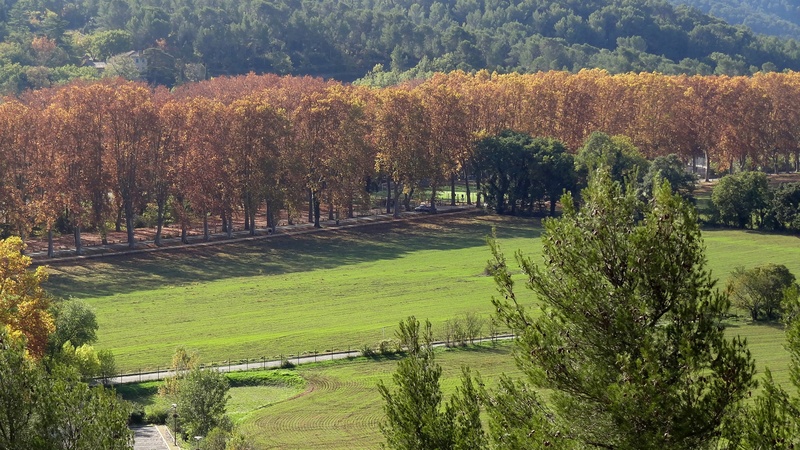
point(147, 437)
point(153, 376)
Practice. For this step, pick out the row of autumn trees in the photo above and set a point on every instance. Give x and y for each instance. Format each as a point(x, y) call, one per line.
point(86, 154)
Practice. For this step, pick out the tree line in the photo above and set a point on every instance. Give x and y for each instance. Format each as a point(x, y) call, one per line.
point(45, 41)
point(92, 155)
point(773, 17)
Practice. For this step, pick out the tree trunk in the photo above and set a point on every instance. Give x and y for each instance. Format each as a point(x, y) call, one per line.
point(129, 223)
point(206, 234)
point(50, 252)
point(310, 205)
point(229, 214)
point(224, 222)
point(118, 222)
point(159, 220)
point(797, 161)
point(270, 217)
point(478, 189)
point(247, 216)
point(350, 209)
point(466, 184)
point(453, 189)
point(184, 237)
point(78, 243)
point(552, 206)
point(389, 194)
point(252, 223)
point(330, 211)
point(315, 203)
point(708, 163)
point(396, 200)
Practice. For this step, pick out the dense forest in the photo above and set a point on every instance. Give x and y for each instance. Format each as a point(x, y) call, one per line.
point(47, 42)
point(773, 17)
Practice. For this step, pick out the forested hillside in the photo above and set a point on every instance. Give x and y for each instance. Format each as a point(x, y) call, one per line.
point(773, 17)
point(47, 41)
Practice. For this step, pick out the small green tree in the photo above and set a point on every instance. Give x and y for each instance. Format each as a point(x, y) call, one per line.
point(630, 339)
point(671, 169)
point(741, 199)
point(771, 421)
point(784, 209)
point(616, 154)
point(520, 170)
point(20, 392)
point(760, 290)
point(53, 409)
point(202, 396)
point(415, 418)
point(75, 322)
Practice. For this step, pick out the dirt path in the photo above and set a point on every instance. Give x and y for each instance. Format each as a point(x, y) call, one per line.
point(66, 255)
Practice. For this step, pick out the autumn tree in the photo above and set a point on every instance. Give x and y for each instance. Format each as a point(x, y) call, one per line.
point(23, 302)
point(259, 134)
point(450, 137)
point(17, 166)
point(202, 178)
point(401, 136)
point(630, 342)
point(163, 156)
point(130, 131)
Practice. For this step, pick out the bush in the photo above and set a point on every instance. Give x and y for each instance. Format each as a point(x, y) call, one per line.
point(286, 364)
point(388, 347)
point(137, 416)
point(473, 325)
point(156, 415)
point(367, 351)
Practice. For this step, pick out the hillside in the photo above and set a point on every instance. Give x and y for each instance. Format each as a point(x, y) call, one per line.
point(775, 17)
point(46, 42)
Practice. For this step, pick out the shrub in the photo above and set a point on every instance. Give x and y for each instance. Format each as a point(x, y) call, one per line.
point(286, 364)
point(156, 414)
point(137, 416)
point(367, 350)
point(388, 347)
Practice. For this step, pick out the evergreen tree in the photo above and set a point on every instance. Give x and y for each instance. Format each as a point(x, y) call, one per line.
point(630, 339)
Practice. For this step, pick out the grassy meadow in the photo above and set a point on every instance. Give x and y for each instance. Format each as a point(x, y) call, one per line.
point(338, 406)
point(336, 290)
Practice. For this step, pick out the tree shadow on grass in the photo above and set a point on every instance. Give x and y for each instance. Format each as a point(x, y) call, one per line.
point(280, 254)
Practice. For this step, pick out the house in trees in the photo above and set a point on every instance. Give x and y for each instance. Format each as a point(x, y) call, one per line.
point(138, 58)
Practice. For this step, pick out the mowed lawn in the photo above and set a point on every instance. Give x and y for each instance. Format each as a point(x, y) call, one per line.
point(337, 290)
point(342, 409)
point(284, 295)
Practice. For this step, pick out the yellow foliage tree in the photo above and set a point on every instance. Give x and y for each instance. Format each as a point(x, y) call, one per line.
point(23, 302)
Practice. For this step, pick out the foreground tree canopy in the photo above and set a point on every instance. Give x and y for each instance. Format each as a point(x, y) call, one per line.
point(629, 344)
point(117, 150)
point(44, 404)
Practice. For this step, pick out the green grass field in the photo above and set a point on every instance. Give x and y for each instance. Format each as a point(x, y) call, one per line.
point(339, 406)
point(336, 290)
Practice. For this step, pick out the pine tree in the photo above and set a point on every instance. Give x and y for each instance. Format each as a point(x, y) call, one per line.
point(630, 339)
